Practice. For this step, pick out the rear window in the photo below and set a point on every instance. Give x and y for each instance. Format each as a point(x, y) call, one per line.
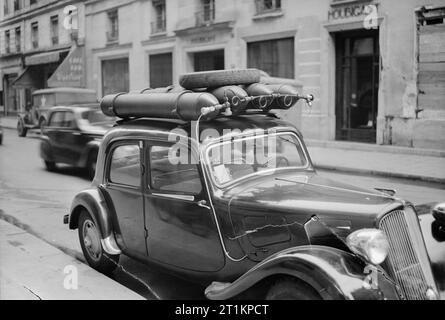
point(96, 116)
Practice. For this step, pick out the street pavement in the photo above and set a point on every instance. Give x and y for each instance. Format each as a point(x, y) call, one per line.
point(36, 200)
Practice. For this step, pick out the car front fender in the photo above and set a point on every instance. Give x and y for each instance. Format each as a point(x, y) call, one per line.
point(333, 273)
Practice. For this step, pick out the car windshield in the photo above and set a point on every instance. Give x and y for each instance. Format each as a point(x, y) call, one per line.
point(242, 157)
point(96, 117)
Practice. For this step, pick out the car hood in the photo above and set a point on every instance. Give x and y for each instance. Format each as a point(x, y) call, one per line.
point(307, 194)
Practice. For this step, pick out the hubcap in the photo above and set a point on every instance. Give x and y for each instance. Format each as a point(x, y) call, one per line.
point(91, 240)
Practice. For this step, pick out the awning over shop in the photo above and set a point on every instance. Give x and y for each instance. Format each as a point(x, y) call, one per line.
point(30, 77)
point(43, 58)
point(71, 72)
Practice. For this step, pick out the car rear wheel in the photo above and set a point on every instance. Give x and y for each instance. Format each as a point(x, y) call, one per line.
point(291, 289)
point(90, 241)
point(50, 166)
point(21, 129)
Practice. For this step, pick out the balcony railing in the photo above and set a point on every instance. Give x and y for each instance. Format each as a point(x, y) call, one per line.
point(205, 17)
point(112, 36)
point(158, 26)
point(267, 6)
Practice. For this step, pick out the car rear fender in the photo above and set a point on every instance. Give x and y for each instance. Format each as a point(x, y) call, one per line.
point(94, 202)
point(333, 273)
point(92, 146)
point(45, 149)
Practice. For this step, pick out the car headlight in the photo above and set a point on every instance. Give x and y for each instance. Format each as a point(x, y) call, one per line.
point(370, 244)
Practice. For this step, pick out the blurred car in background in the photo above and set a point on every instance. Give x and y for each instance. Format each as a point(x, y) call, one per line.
point(72, 136)
point(36, 114)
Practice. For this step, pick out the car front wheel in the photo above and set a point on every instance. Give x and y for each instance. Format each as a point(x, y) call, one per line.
point(291, 289)
point(21, 129)
point(93, 251)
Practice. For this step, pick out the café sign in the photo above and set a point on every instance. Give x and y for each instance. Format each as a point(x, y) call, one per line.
point(71, 72)
point(350, 10)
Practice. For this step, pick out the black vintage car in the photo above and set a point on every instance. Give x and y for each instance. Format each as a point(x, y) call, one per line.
point(72, 136)
point(241, 209)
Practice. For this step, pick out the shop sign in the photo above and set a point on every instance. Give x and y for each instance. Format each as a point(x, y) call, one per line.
point(71, 73)
point(203, 39)
point(353, 10)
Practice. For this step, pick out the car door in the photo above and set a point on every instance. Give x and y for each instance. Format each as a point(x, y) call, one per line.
point(69, 139)
point(181, 230)
point(123, 176)
point(52, 130)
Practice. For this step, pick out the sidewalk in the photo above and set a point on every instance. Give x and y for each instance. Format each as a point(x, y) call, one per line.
point(31, 269)
point(387, 164)
point(387, 161)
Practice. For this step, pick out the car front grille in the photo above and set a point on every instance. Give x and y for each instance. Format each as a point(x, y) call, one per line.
point(407, 261)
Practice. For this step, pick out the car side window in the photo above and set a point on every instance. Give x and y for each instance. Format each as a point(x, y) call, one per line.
point(125, 167)
point(69, 121)
point(167, 174)
point(56, 119)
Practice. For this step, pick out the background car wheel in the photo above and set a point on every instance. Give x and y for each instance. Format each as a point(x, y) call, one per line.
point(89, 238)
point(291, 289)
point(42, 124)
point(215, 79)
point(91, 165)
point(21, 129)
point(50, 166)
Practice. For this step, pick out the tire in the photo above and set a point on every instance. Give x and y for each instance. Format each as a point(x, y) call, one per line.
point(291, 289)
point(91, 164)
point(89, 237)
point(215, 79)
point(42, 124)
point(50, 166)
point(21, 129)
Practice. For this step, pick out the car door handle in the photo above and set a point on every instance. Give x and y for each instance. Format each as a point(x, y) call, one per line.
point(203, 204)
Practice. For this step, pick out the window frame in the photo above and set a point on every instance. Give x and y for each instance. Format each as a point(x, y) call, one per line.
point(109, 158)
point(148, 187)
point(54, 29)
point(35, 34)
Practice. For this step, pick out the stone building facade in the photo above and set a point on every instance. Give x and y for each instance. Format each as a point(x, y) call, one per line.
point(376, 67)
point(35, 38)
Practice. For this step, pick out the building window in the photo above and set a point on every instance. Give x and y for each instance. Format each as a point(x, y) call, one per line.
point(113, 26)
point(32, 2)
point(206, 15)
point(7, 41)
point(159, 23)
point(276, 57)
point(267, 6)
point(161, 71)
point(18, 39)
point(6, 7)
point(115, 76)
point(18, 4)
point(54, 30)
point(35, 35)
